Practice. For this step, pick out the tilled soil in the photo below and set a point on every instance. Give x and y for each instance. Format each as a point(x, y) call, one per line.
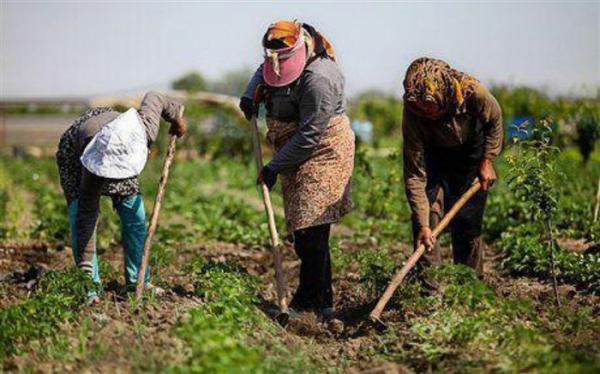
point(345, 337)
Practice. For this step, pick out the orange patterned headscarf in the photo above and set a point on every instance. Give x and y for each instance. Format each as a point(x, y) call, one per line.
point(285, 33)
point(432, 88)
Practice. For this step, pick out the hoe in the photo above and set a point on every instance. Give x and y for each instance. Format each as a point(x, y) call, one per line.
point(280, 282)
point(412, 261)
point(154, 217)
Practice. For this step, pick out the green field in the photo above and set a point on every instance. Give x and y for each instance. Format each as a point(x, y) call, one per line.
point(211, 253)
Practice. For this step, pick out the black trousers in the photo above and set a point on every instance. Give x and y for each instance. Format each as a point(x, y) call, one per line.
point(450, 173)
point(465, 228)
point(312, 246)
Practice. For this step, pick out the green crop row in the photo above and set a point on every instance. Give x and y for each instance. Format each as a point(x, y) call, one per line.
point(526, 254)
point(217, 200)
point(467, 328)
point(228, 332)
point(58, 297)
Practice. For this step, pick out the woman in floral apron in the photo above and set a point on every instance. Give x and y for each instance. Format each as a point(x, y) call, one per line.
point(314, 144)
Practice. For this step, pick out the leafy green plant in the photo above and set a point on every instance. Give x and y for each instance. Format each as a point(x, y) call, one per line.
point(222, 217)
point(219, 332)
point(58, 297)
point(12, 206)
point(377, 193)
point(376, 268)
point(534, 179)
point(525, 255)
point(468, 328)
point(53, 223)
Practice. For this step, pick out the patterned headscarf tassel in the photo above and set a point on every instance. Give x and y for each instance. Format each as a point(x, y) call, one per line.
point(458, 94)
point(309, 42)
point(274, 56)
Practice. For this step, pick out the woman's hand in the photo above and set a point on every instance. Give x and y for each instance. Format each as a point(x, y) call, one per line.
point(179, 124)
point(267, 176)
point(178, 127)
point(425, 237)
point(487, 174)
point(248, 106)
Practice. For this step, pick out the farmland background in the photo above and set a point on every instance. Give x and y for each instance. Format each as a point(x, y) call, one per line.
point(211, 254)
point(211, 251)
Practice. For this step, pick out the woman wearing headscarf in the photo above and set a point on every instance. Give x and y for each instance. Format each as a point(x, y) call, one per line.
point(102, 153)
point(452, 128)
point(310, 132)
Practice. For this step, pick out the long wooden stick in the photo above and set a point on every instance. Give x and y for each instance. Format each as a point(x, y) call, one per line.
point(280, 282)
point(412, 261)
point(154, 217)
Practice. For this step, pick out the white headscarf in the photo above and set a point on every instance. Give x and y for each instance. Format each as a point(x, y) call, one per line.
point(119, 150)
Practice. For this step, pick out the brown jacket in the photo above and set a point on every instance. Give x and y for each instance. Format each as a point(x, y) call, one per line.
point(450, 131)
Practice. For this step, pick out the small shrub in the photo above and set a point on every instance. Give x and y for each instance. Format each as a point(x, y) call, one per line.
point(534, 180)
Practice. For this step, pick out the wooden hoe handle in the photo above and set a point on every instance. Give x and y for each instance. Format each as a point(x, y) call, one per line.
point(154, 216)
point(280, 281)
point(412, 261)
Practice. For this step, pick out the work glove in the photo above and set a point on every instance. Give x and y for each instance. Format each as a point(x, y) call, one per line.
point(487, 174)
point(267, 176)
point(426, 237)
point(248, 106)
point(178, 125)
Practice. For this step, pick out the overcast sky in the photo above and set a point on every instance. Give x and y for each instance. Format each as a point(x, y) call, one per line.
point(88, 48)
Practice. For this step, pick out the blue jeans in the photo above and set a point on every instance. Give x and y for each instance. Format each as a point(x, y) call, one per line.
point(133, 233)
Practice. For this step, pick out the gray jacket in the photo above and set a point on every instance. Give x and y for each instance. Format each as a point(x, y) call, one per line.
point(310, 101)
point(154, 107)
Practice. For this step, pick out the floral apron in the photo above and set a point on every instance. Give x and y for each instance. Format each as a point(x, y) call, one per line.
point(318, 191)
